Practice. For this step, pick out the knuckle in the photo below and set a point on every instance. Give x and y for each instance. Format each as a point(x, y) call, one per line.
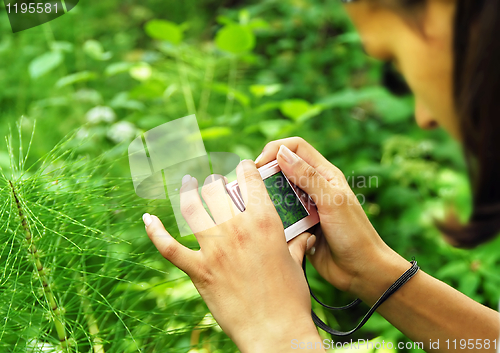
point(308, 171)
point(169, 251)
point(270, 144)
point(252, 176)
point(240, 236)
point(219, 255)
point(299, 140)
point(188, 209)
point(267, 221)
point(210, 187)
point(204, 276)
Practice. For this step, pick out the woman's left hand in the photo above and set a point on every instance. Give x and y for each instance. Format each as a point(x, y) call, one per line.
point(244, 271)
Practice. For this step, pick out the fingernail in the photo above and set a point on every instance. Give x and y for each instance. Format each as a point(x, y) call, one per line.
point(146, 217)
point(312, 251)
point(258, 158)
point(287, 155)
point(186, 178)
point(309, 242)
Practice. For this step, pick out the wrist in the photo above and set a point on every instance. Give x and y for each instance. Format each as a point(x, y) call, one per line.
point(384, 269)
point(279, 337)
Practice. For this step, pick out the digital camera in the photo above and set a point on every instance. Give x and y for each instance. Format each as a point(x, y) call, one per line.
point(296, 209)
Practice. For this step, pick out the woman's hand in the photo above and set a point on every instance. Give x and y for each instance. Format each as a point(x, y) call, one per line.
point(348, 251)
point(244, 270)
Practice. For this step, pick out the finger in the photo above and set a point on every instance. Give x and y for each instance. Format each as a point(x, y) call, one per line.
point(301, 244)
point(307, 152)
point(219, 202)
point(168, 247)
point(252, 188)
point(192, 208)
point(306, 177)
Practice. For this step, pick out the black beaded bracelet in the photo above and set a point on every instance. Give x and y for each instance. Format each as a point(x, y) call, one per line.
point(405, 277)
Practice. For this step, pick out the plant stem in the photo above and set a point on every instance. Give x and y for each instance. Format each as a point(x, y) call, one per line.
point(186, 89)
point(205, 96)
point(93, 327)
point(55, 311)
point(231, 88)
point(88, 311)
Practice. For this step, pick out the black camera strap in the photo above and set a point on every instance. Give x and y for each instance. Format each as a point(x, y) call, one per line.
point(405, 277)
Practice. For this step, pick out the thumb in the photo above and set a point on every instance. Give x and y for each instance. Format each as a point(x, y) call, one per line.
point(182, 257)
point(300, 245)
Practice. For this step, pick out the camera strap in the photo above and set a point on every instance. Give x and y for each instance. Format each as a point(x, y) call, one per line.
point(405, 277)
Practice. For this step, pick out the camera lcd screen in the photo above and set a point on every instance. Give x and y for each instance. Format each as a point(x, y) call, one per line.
point(288, 205)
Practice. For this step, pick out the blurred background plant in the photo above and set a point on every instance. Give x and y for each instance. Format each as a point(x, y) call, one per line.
point(252, 72)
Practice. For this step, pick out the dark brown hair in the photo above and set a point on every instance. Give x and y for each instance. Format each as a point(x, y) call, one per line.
point(477, 101)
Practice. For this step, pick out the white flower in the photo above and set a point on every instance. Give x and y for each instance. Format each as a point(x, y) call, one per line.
point(100, 114)
point(121, 131)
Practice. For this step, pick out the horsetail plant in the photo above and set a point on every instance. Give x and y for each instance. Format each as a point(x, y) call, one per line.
point(77, 271)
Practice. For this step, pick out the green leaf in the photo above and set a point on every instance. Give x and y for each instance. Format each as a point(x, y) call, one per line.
point(393, 109)
point(455, 269)
point(224, 20)
point(82, 76)
point(148, 90)
point(268, 106)
point(273, 128)
point(238, 95)
point(164, 30)
point(387, 106)
point(349, 37)
point(469, 283)
point(244, 16)
point(122, 100)
point(215, 132)
point(45, 63)
point(117, 68)
point(258, 24)
point(299, 109)
point(265, 90)
point(345, 98)
point(61, 46)
point(94, 49)
point(235, 38)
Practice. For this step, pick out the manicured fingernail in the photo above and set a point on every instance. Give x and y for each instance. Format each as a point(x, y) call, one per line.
point(312, 251)
point(310, 241)
point(186, 178)
point(287, 155)
point(146, 217)
point(258, 158)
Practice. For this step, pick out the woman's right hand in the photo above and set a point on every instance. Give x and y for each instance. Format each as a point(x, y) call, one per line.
point(349, 252)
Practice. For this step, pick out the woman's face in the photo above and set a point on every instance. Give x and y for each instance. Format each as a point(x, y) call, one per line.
point(423, 56)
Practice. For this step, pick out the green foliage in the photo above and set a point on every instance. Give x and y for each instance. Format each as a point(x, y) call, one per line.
point(235, 38)
point(164, 30)
point(45, 63)
point(252, 72)
point(76, 277)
